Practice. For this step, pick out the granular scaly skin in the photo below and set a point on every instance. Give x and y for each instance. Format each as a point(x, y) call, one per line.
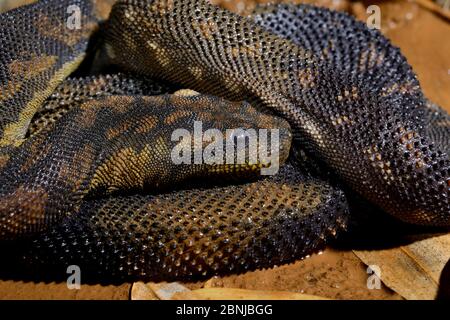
point(75, 91)
point(38, 49)
point(296, 23)
point(352, 101)
point(436, 123)
point(119, 143)
point(88, 181)
point(193, 232)
point(197, 232)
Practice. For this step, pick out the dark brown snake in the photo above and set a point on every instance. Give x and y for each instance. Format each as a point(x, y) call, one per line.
point(86, 175)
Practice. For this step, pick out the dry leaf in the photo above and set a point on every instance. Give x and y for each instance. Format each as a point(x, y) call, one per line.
point(413, 270)
point(140, 291)
point(241, 294)
point(154, 291)
point(176, 291)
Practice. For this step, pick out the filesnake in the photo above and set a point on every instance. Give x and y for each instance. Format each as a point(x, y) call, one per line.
point(86, 175)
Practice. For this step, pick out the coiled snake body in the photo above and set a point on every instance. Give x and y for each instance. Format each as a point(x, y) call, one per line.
point(85, 163)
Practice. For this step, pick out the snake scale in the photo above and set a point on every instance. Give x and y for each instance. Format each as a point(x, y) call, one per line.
point(86, 176)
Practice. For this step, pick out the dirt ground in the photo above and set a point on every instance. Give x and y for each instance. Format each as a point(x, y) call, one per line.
point(424, 38)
